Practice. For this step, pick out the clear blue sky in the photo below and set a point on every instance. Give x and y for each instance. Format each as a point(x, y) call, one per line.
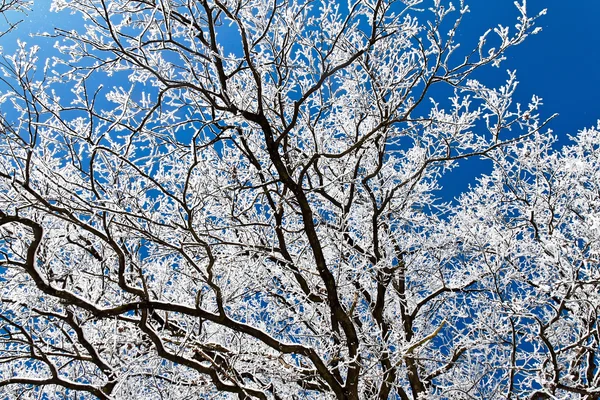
point(560, 64)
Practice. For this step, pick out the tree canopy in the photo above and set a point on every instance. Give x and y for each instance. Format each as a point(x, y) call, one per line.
point(243, 199)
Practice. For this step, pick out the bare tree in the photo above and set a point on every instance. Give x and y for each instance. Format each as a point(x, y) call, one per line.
point(249, 209)
point(8, 7)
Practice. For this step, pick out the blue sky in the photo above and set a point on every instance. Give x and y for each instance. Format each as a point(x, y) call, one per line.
point(560, 64)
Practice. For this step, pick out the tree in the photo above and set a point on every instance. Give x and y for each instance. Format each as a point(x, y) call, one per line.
point(11, 7)
point(250, 210)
